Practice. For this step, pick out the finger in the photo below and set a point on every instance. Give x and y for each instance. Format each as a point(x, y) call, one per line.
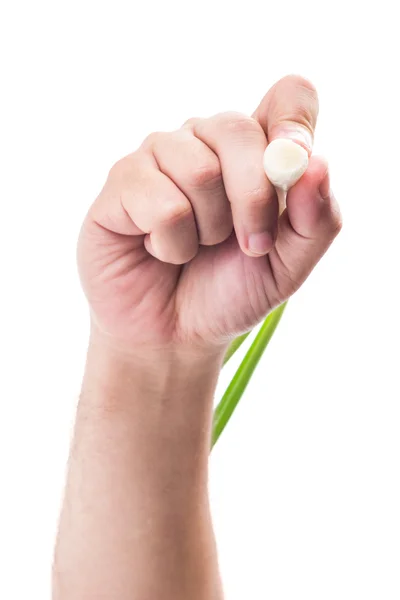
point(138, 199)
point(239, 143)
point(290, 110)
point(196, 170)
point(308, 226)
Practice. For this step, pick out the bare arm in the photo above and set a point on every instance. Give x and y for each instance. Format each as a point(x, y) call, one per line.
point(135, 522)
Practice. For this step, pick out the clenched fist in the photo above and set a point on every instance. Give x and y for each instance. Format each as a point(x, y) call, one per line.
point(184, 244)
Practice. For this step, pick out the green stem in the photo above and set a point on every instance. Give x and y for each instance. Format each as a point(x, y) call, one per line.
point(235, 345)
point(235, 390)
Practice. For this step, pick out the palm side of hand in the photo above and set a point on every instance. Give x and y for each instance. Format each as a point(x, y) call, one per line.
point(219, 294)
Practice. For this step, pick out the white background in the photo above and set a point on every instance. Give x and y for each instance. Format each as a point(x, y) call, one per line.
point(305, 481)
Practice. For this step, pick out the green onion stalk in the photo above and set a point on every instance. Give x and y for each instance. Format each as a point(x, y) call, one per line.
point(237, 386)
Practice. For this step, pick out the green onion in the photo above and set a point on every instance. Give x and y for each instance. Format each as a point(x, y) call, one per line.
point(235, 345)
point(235, 390)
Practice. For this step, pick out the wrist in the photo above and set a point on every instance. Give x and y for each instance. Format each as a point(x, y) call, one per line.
point(118, 369)
point(164, 396)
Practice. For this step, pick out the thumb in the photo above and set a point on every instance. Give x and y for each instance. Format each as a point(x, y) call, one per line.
point(290, 110)
point(307, 228)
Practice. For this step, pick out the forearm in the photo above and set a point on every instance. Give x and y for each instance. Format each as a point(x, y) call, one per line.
point(135, 522)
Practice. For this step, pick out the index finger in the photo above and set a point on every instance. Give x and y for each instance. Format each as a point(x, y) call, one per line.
point(290, 110)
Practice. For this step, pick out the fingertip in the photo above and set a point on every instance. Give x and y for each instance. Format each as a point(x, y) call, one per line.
point(165, 252)
point(259, 244)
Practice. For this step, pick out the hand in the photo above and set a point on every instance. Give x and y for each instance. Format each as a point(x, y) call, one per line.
point(184, 244)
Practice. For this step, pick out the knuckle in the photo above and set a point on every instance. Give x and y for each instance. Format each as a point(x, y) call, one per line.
point(173, 212)
point(303, 83)
point(333, 215)
point(337, 221)
point(257, 197)
point(153, 138)
point(206, 174)
point(238, 123)
point(123, 169)
point(192, 122)
point(119, 168)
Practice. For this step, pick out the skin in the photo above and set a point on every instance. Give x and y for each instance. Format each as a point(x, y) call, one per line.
point(182, 250)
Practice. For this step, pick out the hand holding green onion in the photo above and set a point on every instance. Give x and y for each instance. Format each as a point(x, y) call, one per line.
point(184, 251)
